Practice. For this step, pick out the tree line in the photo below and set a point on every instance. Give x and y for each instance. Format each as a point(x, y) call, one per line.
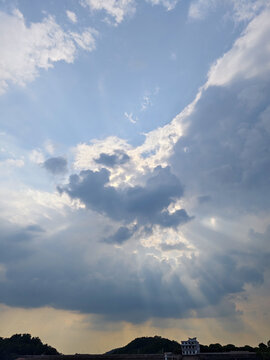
point(23, 344)
point(159, 345)
point(262, 349)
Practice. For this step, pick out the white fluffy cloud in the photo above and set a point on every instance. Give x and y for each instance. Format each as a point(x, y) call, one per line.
point(36, 156)
point(199, 8)
point(242, 9)
point(117, 9)
point(85, 40)
point(12, 162)
point(247, 9)
point(168, 4)
point(27, 49)
point(249, 56)
point(72, 16)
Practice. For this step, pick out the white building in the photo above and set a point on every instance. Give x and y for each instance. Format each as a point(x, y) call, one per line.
point(190, 347)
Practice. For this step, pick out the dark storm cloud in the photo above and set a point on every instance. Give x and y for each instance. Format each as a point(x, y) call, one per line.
point(19, 234)
point(171, 220)
point(131, 287)
point(147, 205)
point(56, 165)
point(15, 242)
point(225, 152)
point(223, 274)
point(117, 293)
point(121, 235)
point(118, 158)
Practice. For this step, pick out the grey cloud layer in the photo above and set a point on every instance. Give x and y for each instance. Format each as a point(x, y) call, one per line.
point(224, 156)
point(123, 286)
point(15, 241)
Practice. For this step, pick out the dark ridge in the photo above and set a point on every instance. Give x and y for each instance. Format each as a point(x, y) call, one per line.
point(19, 345)
point(149, 345)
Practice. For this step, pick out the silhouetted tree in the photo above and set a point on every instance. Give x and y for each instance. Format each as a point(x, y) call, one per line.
point(23, 344)
point(229, 347)
point(215, 348)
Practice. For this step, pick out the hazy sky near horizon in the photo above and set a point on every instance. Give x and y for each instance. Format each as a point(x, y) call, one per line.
point(135, 171)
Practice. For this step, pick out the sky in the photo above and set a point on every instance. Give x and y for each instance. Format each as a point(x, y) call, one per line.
point(135, 169)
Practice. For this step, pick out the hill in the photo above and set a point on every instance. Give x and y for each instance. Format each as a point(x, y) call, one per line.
point(149, 345)
point(23, 344)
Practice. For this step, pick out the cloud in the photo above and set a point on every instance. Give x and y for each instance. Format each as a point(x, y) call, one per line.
point(121, 235)
point(147, 205)
point(248, 58)
point(34, 228)
point(223, 150)
point(218, 277)
point(56, 165)
point(15, 242)
point(146, 102)
point(36, 156)
point(118, 158)
point(218, 147)
point(242, 10)
point(69, 266)
point(123, 285)
point(85, 154)
point(25, 50)
point(49, 147)
point(198, 9)
point(131, 118)
point(17, 163)
point(118, 10)
point(204, 199)
point(85, 40)
point(227, 157)
point(171, 247)
point(168, 4)
point(247, 9)
point(148, 98)
point(71, 16)
point(227, 141)
point(159, 143)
